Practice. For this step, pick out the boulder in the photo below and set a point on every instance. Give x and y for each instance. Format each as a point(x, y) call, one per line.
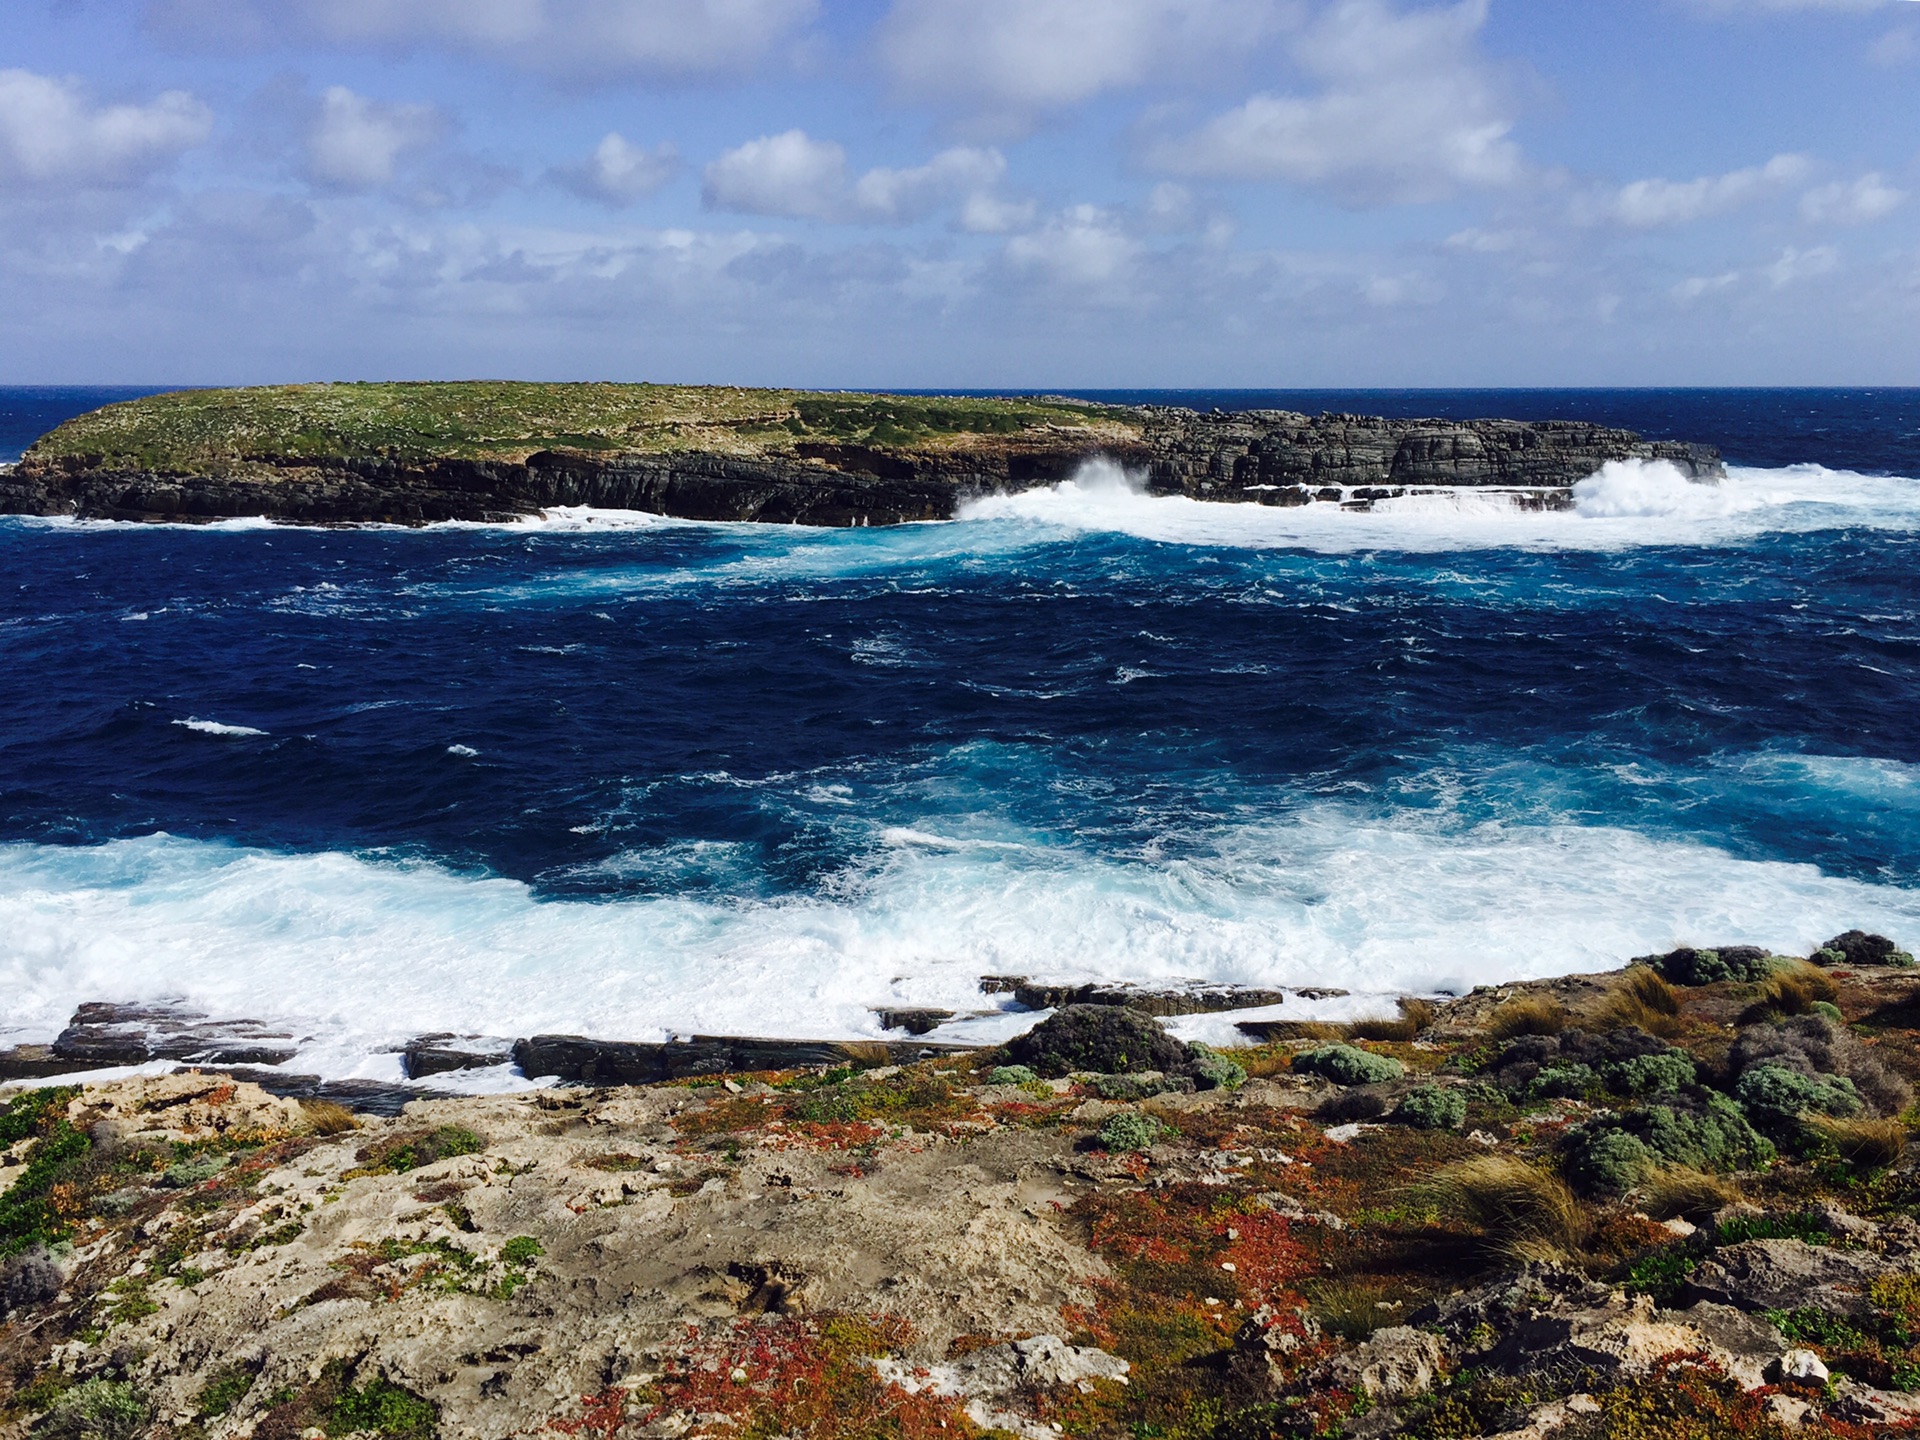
point(639, 1062)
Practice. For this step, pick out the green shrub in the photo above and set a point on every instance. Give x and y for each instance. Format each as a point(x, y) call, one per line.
point(1700, 1129)
point(1828, 1009)
point(384, 1409)
point(1776, 1097)
point(1605, 1161)
point(1137, 1087)
point(1349, 1065)
point(1686, 966)
point(226, 1389)
point(399, 1156)
point(1130, 1131)
point(1215, 1071)
point(1432, 1107)
point(522, 1250)
point(184, 1174)
point(34, 1112)
point(27, 1213)
point(1011, 1075)
point(96, 1410)
point(1569, 1080)
point(1650, 1074)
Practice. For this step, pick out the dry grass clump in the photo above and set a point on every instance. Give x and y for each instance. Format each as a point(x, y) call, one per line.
point(1644, 999)
point(1794, 988)
point(323, 1117)
point(1415, 1015)
point(1529, 1015)
point(1679, 1192)
point(1863, 1144)
point(1524, 1213)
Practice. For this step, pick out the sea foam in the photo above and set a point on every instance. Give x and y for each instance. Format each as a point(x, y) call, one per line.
point(360, 952)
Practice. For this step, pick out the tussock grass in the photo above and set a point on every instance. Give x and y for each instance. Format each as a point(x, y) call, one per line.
point(1863, 1144)
point(1794, 988)
point(1644, 999)
point(1529, 1015)
point(1520, 1211)
point(323, 1117)
point(1679, 1192)
point(1415, 1016)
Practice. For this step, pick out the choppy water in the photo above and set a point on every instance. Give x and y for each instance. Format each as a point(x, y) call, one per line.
point(629, 776)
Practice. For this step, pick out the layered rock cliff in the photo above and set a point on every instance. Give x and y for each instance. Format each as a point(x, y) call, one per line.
point(806, 460)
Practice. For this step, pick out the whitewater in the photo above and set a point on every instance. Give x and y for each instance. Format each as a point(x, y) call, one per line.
point(623, 776)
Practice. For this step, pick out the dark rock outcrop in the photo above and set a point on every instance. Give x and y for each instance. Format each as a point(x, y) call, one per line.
point(1264, 457)
point(637, 1062)
point(1177, 997)
point(101, 1034)
point(441, 1054)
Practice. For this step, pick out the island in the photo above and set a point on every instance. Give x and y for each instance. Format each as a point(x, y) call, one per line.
point(493, 451)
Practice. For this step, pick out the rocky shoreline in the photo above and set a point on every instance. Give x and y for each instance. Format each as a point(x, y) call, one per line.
point(1673, 1200)
point(776, 475)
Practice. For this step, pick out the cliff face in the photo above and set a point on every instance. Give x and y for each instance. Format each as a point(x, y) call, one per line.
point(1267, 457)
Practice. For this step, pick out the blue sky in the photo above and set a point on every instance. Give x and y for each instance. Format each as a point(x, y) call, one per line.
point(962, 192)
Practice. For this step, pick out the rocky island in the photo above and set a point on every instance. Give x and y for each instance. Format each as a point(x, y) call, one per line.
point(485, 451)
point(1672, 1201)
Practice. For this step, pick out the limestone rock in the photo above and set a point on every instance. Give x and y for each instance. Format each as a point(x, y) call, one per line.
point(1785, 1274)
point(1398, 1363)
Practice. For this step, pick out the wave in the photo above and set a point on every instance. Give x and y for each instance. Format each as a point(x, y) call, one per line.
point(215, 727)
point(1626, 503)
point(362, 951)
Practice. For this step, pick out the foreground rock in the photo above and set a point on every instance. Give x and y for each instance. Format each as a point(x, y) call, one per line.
point(1094, 1231)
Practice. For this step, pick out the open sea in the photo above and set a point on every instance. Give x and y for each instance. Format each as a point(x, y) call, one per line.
point(631, 777)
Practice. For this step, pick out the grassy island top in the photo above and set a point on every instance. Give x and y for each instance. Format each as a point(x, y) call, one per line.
point(197, 430)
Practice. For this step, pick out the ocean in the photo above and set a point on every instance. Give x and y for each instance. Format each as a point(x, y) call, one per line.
point(630, 777)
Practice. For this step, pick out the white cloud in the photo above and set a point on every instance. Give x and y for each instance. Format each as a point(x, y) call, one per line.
point(49, 134)
point(1743, 7)
point(1695, 286)
point(1008, 60)
point(356, 143)
point(1410, 111)
point(1083, 246)
point(789, 174)
point(1860, 202)
point(570, 39)
point(1802, 264)
point(1896, 47)
point(620, 172)
point(1476, 241)
point(795, 176)
point(1655, 203)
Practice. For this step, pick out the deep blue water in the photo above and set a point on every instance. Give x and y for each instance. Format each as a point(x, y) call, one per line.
point(662, 775)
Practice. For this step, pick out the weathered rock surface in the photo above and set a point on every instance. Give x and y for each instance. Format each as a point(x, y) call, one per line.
point(1176, 997)
point(1397, 1363)
point(442, 1054)
point(1102, 1039)
point(103, 1034)
point(1264, 457)
point(1784, 1274)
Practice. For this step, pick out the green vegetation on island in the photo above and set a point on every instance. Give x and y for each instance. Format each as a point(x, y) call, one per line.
point(219, 431)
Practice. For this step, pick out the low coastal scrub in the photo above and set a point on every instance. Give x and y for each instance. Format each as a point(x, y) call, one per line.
point(1348, 1065)
point(1501, 1252)
point(192, 431)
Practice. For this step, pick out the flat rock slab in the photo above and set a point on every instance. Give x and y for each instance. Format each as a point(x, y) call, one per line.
point(914, 1019)
point(101, 1034)
point(37, 1062)
point(363, 1097)
point(633, 1062)
point(1787, 1274)
point(1176, 997)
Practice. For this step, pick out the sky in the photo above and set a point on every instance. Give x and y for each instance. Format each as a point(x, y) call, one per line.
point(964, 193)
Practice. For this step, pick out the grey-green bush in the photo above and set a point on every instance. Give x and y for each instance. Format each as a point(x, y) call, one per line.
point(1571, 1081)
point(1349, 1065)
point(1130, 1131)
point(1687, 966)
point(1432, 1107)
point(1608, 1162)
point(1011, 1075)
point(96, 1410)
point(1215, 1071)
point(1775, 1097)
point(1650, 1074)
point(1700, 1129)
